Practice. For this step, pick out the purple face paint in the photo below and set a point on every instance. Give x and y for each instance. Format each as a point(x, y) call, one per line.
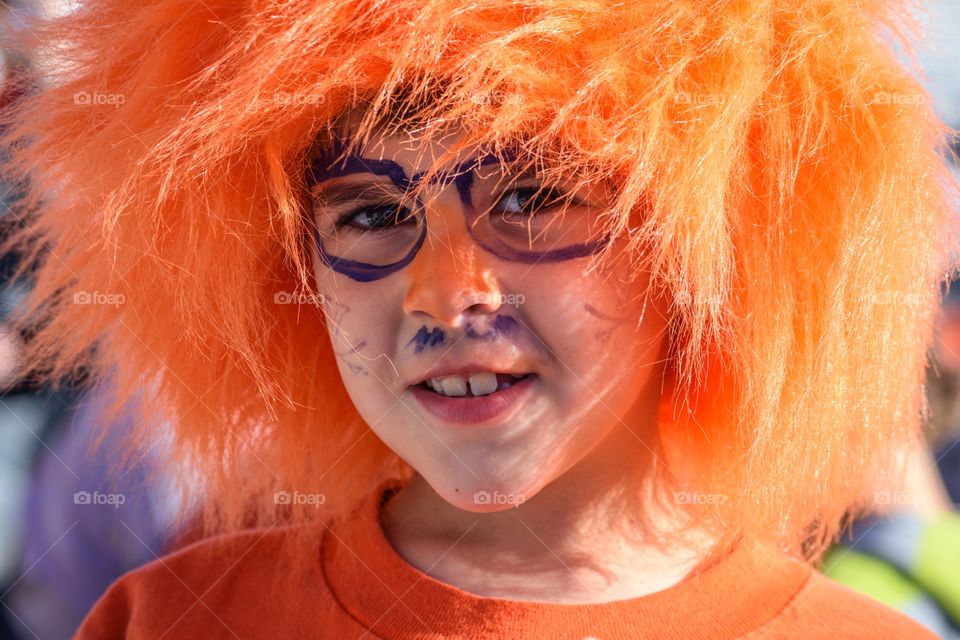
point(462, 177)
point(426, 339)
point(337, 311)
point(323, 169)
point(501, 326)
point(604, 334)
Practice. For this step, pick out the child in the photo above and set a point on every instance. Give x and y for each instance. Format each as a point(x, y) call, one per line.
point(492, 319)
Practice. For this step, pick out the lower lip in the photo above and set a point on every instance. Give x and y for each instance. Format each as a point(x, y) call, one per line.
point(473, 410)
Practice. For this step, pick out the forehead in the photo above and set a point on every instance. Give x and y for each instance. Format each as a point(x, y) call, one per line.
point(443, 149)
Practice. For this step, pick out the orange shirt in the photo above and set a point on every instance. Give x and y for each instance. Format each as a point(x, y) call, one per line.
point(350, 583)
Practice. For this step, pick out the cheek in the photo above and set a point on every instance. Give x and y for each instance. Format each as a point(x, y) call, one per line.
point(602, 330)
point(591, 312)
point(360, 328)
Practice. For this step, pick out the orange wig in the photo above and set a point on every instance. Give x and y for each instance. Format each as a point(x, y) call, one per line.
point(778, 172)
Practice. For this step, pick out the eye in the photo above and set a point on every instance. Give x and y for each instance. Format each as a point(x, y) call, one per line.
point(531, 201)
point(374, 218)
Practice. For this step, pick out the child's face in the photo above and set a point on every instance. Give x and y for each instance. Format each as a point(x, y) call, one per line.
point(484, 290)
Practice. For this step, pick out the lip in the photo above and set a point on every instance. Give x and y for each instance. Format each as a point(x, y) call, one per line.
point(474, 410)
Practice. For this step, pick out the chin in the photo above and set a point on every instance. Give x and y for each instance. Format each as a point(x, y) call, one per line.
point(478, 496)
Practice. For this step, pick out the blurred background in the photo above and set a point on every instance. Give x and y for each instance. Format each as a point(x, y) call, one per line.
point(64, 538)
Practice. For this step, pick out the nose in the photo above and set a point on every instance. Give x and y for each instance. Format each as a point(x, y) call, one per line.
point(451, 277)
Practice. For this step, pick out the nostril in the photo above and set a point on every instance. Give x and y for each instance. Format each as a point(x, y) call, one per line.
point(478, 308)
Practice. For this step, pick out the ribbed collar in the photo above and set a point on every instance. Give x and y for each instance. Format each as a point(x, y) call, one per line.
point(395, 600)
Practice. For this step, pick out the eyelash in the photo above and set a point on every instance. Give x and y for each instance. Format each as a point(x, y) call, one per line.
point(552, 196)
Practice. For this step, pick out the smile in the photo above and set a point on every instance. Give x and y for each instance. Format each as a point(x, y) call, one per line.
point(476, 384)
point(479, 397)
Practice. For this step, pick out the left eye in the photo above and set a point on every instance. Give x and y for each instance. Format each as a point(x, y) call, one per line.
point(531, 201)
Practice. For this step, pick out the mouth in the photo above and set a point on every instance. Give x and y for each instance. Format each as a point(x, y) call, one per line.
point(474, 398)
point(472, 385)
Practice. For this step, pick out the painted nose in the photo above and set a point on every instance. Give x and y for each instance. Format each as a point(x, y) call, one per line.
point(451, 277)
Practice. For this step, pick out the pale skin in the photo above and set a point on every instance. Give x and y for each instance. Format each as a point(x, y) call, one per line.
point(596, 342)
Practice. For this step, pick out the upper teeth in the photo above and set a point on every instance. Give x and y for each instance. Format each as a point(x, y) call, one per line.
point(481, 384)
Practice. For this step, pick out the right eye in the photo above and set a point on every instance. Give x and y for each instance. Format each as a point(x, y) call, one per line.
point(374, 218)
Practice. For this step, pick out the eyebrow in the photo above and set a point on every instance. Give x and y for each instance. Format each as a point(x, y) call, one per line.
point(346, 191)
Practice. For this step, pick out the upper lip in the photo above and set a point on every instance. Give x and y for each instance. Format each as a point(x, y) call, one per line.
point(472, 367)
